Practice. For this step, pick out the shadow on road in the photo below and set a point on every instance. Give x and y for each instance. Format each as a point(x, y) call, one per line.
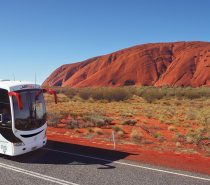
point(48, 155)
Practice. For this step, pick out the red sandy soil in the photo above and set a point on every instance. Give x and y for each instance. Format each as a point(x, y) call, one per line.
point(154, 152)
point(174, 64)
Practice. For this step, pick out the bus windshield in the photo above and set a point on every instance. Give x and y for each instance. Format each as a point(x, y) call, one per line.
point(33, 114)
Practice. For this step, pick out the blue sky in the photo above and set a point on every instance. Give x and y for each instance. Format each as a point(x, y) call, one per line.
point(38, 36)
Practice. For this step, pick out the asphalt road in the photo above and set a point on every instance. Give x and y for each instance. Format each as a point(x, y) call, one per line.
point(60, 163)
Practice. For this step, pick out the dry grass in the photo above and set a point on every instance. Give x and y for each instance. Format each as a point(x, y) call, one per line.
point(189, 108)
point(136, 135)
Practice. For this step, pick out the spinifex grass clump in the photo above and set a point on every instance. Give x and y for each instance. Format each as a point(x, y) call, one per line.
point(98, 131)
point(177, 135)
point(116, 128)
point(120, 133)
point(136, 135)
point(129, 122)
point(158, 135)
point(172, 128)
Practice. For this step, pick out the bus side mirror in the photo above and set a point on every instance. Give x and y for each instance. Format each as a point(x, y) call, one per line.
point(0, 118)
point(53, 92)
point(19, 99)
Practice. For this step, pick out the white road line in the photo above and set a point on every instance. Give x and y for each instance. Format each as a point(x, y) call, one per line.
point(127, 164)
point(38, 175)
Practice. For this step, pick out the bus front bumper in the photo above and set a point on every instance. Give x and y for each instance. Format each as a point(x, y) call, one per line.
point(18, 150)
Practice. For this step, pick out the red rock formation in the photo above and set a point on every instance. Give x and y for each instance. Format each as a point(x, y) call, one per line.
point(174, 64)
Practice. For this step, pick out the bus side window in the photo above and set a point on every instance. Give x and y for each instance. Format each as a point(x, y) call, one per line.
point(5, 114)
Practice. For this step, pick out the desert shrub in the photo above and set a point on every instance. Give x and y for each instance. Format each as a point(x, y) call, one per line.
point(116, 128)
point(190, 116)
point(86, 118)
point(70, 92)
point(161, 119)
point(177, 135)
point(130, 121)
point(76, 130)
point(166, 103)
point(186, 125)
point(136, 135)
point(72, 124)
point(53, 118)
point(140, 92)
point(98, 131)
point(85, 94)
point(97, 94)
point(117, 94)
point(98, 121)
point(169, 122)
point(177, 103)
point(158, 135)
point(170, 93)
point(108, 119)
point(120, 133)
point(190, 132)
point(89, 129)
point(86, 132)
point(172, 128)
point(178, 144)
point(148, 115)
point(190, 139)
point(192, 95)
point(73, 115)
point(144, 121)
point(196, 122)
point(64, 114)
point(152, 95)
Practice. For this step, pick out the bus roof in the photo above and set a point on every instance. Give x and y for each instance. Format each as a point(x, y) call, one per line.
point(17, 85)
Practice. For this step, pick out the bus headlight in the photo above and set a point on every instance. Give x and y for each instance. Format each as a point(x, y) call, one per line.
point(19, 144)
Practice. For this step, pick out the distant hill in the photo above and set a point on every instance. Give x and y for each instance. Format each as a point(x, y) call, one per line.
point(174, 64)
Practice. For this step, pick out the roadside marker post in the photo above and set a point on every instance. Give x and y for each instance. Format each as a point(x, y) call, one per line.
point(114, 140)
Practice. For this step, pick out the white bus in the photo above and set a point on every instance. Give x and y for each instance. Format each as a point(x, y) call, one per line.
point(23, 121)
